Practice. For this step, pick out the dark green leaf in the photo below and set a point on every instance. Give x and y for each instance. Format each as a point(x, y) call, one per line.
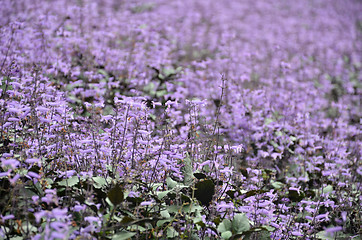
point(135, 200)
point(294, 196)
point(231, 193)
point(126, 220)
point(200, 176)
point(116, 195)
point(254, 192)
point(204, 191)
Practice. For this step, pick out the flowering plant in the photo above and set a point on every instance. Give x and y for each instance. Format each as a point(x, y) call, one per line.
point(180, 119)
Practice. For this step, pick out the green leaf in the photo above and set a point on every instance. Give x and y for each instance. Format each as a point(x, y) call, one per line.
point(226, 235)
point(224, 226)
point(116, 195)
point(254, 192)
point(161, 93)
point(240, 223)
point(149, 87)
point(192, 208)
point(328, 189)
point(187, 171)
point(204, 191)
point(134, 201)
point(126, 219)
point(104, 73)
point(268, 228)
point(231, 193)
point(70, 182)
point(185, 199)
point(173, 208)
point(322, 235)
point(277, 185)
point(16, 238)
point(123, 235)
point(162, 194)
point(267, 121)
point(162, 222)
point(171, 232)
point(170, 183)
point(294, 196)
point(274, 144)
point(165, 214)
point(27, 192)
point(99, 182)
point(200, 223)
point(257, 233)
point(200, 175)
point(169, 71)
point(293, 139)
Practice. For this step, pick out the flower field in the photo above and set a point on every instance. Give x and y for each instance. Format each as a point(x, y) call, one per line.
point(180, 119)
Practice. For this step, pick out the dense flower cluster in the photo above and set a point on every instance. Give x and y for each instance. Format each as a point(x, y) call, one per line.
point(209, 119)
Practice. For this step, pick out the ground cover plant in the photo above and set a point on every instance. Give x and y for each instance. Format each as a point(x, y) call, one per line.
point(154, 119)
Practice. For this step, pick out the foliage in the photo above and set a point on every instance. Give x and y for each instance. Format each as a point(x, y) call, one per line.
point(168, 120)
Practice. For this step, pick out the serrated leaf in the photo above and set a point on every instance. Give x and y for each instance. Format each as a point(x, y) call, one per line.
point(116, 195)
point(240, 223)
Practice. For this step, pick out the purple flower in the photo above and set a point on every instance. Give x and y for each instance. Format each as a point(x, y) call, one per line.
point(147, 203)
point(13, 163)
point(297, 233)
point(33, 175)
point(334, 229)
point(4, 218)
